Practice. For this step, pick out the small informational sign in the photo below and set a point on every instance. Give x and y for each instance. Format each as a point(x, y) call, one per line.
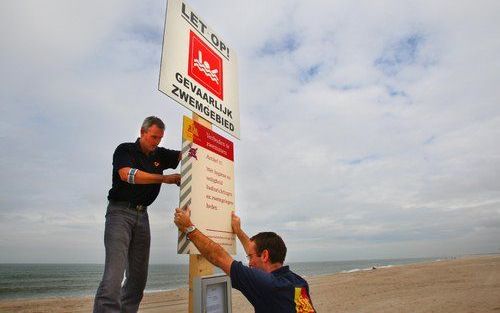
point(198, 68)
point(212, 294)
point(215, 298)
point(207, 185)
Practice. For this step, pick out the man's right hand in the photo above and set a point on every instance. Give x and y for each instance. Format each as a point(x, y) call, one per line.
point(172, 179)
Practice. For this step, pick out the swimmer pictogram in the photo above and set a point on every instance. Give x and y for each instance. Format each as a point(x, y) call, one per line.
point(205, 66)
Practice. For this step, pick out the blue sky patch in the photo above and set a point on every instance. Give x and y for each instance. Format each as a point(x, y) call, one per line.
point(308, 74)
point(430, 140)
point(402, 53)
point(146, 33)
point(285, 44)
point(357, 161)
point(394, 92)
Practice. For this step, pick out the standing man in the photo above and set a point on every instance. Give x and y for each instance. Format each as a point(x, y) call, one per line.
point(137, 178)
point(266, 283)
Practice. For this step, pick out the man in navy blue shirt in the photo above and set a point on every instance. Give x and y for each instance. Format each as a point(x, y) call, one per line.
point(266, 283)
point(137, 177)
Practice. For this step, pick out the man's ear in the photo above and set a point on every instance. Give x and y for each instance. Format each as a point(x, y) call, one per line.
point(265, 255)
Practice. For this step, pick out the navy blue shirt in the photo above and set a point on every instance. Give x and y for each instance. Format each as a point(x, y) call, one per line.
point(281, 291)
point(130, 155)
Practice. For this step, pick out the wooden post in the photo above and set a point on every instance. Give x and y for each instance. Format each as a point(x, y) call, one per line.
point(198, 265)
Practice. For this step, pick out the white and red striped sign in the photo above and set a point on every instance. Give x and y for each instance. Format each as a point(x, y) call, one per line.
point(207, 185)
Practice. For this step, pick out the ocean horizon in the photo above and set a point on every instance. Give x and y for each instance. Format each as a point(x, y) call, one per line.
point(45, 280)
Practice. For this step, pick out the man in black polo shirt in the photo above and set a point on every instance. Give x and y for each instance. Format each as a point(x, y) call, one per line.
point(266, 283)
point(137, 178)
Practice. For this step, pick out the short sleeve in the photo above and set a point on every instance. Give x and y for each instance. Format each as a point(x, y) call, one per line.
point(122, 157)
point(170, 158)
point(253, 283)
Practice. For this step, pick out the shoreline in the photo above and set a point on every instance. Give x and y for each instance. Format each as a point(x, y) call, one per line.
point(367, 265)
point(463, 284)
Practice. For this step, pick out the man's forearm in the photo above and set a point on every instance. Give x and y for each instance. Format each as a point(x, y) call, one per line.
point(142, 177)
point(213, 252)
point(244, 239)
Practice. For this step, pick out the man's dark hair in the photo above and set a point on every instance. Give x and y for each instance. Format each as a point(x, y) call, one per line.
point(152, 120)
point(273, 243)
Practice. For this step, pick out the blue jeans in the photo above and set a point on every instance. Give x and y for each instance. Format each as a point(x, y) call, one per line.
point(127, 239)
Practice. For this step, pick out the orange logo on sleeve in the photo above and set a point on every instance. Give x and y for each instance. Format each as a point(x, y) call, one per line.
point(302, 302)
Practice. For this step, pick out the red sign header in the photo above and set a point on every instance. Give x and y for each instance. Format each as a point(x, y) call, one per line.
point(212, 141)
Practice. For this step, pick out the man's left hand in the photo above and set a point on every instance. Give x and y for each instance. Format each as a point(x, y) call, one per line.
point(172, 179)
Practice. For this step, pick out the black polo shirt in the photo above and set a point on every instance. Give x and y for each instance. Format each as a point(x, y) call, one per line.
point(130, 155)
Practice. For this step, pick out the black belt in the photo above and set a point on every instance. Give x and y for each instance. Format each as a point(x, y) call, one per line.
point(130, 205)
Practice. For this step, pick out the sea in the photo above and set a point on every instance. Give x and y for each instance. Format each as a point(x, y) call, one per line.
point(73, 280)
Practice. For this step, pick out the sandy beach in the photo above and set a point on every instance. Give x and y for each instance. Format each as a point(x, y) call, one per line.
point(469, 284)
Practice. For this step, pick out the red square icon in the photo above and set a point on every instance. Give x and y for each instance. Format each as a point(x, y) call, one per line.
point(205, 66)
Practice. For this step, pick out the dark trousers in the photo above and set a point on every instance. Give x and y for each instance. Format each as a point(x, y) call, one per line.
point(127, 239)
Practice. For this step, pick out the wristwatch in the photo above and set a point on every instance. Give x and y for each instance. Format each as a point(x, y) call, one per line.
point(189, 230)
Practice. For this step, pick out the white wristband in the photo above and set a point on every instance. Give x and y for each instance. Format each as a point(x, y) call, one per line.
point(131, 175)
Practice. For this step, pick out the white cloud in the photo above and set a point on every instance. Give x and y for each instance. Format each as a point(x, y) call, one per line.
point(368, 130)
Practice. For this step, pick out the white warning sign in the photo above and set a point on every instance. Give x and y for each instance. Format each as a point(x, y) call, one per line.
point(198, 68)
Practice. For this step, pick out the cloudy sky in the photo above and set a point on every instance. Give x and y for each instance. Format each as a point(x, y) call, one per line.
point(367, 128)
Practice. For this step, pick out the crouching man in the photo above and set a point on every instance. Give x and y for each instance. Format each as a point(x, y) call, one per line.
point(266, 283)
